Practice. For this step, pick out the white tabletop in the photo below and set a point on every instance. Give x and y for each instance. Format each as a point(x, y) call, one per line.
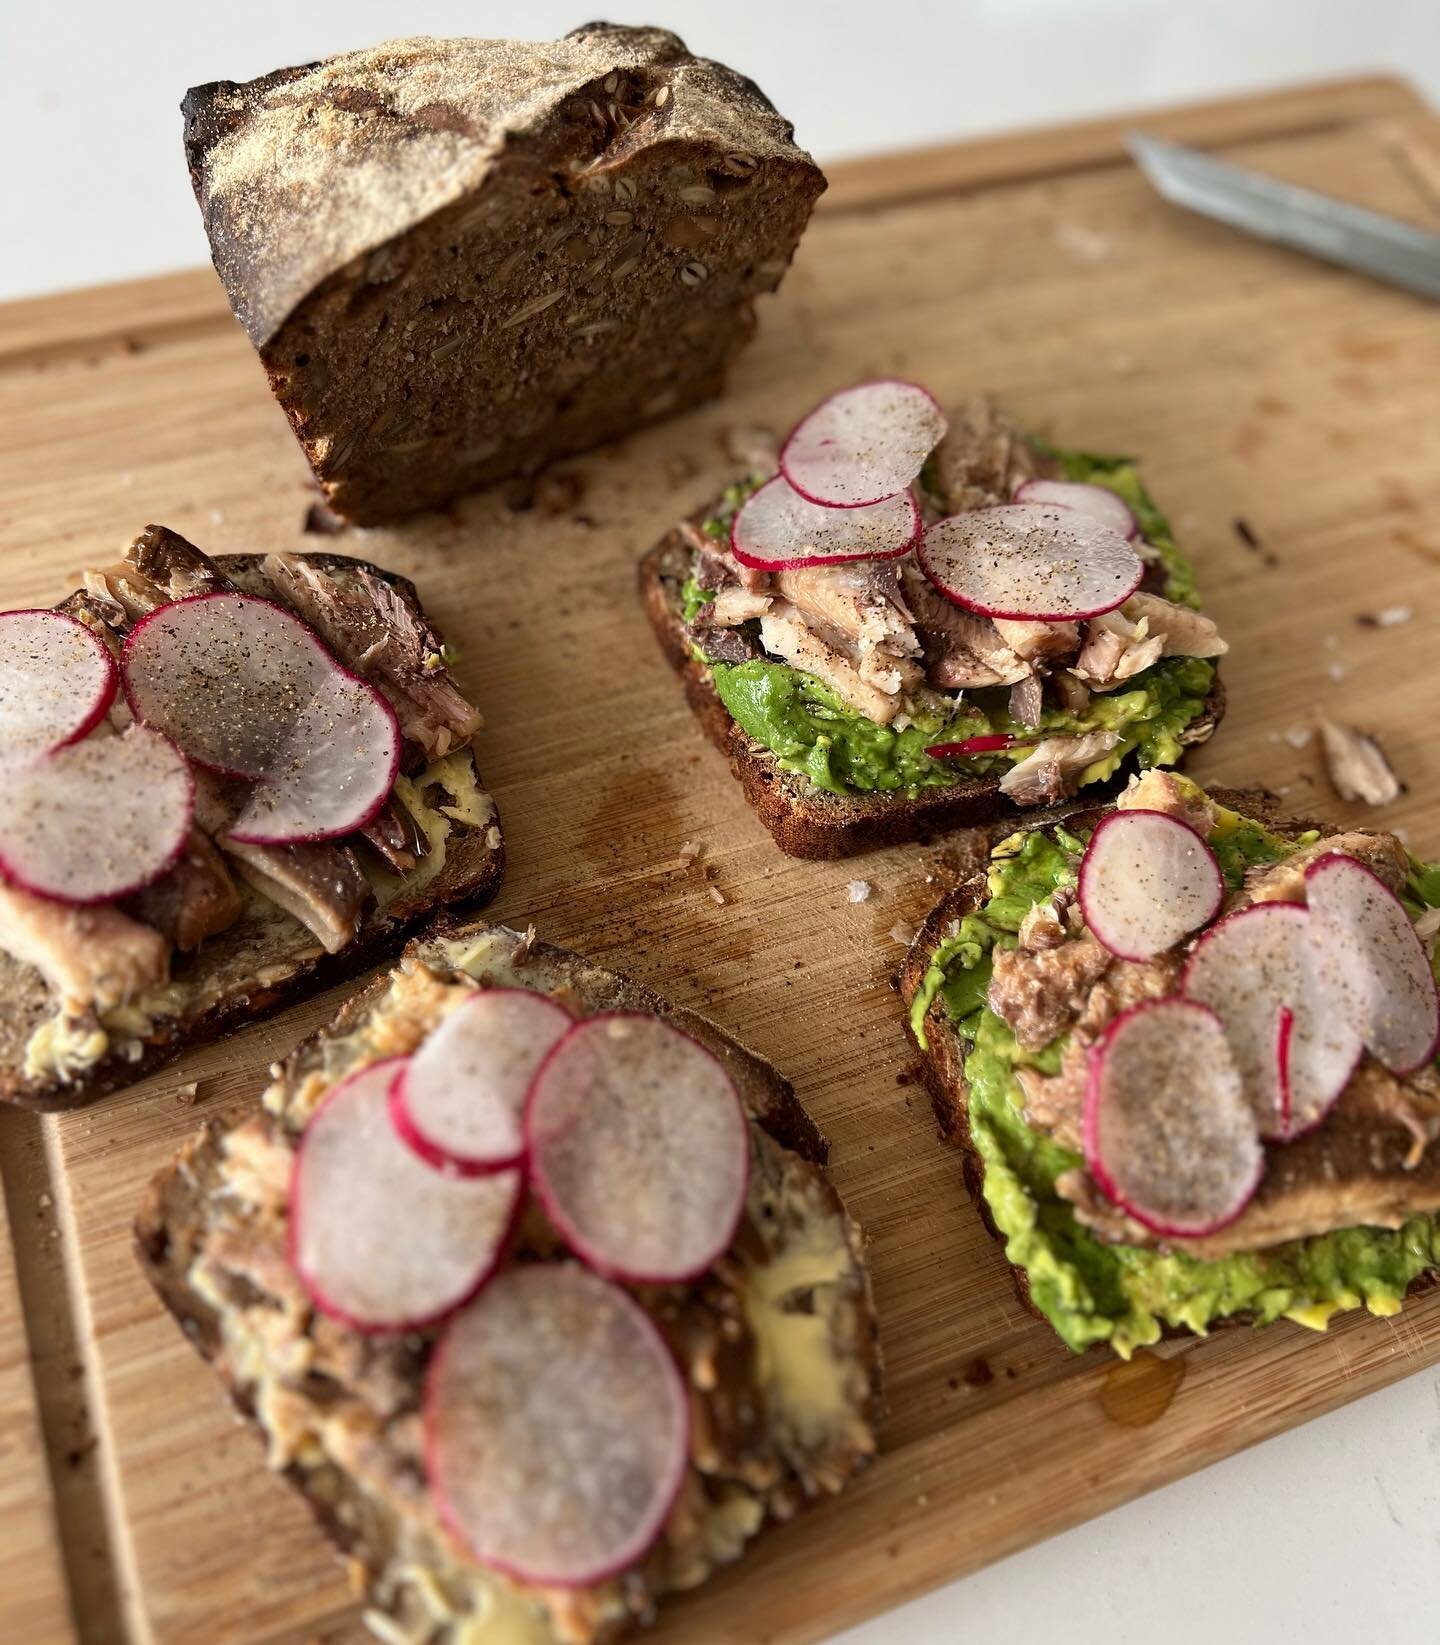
point(1331, 1533)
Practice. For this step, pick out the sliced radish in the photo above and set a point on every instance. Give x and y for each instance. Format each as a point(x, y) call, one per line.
point(990, 742)
point(246, 689)
point(460, 1099)
point(863, 444)
point(1250, 968)
point(1372, 966)
point(1147, 880)
point(1099, 502)
point(776, 529)
point(1168, 1134)
point(381, 1240)
point(557, 1427)
point(57, 681)
point(1020, 560)
point(639, 1148)
point(95, 820)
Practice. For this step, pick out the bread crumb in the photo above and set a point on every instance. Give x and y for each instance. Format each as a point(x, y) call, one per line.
point(1392, 616)
point(1084, 243)
point(1357, 766)
point(858, 891)
point(690, 850)
point(188, 1093)
point(717, 895)
point(902, 932)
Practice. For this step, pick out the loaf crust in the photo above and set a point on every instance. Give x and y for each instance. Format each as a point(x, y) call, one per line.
point(460, 259)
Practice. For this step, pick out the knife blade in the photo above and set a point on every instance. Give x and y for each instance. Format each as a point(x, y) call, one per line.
point(1333, 230)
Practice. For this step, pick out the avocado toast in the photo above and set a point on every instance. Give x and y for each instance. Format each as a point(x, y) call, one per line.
point(1010, 994)
point(861, 703)
point(774, 1337)
point(117, 956)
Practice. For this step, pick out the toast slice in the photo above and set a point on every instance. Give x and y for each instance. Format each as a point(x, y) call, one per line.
point(54, 1057)
point(979, 463)
point(1347, 1215)
point(777, 1340)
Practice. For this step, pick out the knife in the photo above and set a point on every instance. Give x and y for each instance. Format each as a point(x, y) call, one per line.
point(1382, 247)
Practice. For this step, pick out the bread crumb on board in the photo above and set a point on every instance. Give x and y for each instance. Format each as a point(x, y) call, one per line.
point(1357, 766)
point(858, 891)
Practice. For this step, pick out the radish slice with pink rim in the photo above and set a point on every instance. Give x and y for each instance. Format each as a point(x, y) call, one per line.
point(1168, 1134)
point(1147, 880)
point(1373, 968)
point(638, 1148)
point(57, 681)
point(1022, 561)
point(246, 689)
point(381, 1240)
point(557, 1427)
point(863, 444)
point(1249, 969)
point(1099, 502)
point(460, 1099)
point(989, 742)
point(95, 820)
point(776, 529)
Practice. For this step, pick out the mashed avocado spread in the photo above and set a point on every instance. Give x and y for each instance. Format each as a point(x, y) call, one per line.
point(812, 732)
point(1125, 1295)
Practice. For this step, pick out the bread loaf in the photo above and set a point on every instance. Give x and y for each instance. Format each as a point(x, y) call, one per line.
point(460, 259)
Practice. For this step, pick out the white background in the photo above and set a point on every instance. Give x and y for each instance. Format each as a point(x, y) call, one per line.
point(1331, 1534)
point(93, 185)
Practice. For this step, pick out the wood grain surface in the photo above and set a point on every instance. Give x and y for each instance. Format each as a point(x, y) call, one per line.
point(1258, 387)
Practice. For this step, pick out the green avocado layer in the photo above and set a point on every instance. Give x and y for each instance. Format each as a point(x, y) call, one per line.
point(815, 734)
point(1125, 1295)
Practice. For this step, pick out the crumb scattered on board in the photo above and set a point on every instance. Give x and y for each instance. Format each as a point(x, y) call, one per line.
point(1356, 765)
point(1390, 616)
point(858, 891)
point(322, 522)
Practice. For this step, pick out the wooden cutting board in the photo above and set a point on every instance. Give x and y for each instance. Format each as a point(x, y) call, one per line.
point(1287, 417)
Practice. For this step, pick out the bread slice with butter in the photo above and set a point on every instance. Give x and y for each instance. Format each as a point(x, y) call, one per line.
point(77, 1025)
point(776, 1341)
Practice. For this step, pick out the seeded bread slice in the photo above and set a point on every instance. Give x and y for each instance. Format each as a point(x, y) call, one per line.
point(460, 259)
point(807, 821)
point(262, 963)
point(778, 1341)
point(942, 1059)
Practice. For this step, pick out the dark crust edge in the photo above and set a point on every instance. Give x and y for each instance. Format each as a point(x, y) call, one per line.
point(807, 821)
point(942, 1061)
point(480, 869)
point(172, 1204)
